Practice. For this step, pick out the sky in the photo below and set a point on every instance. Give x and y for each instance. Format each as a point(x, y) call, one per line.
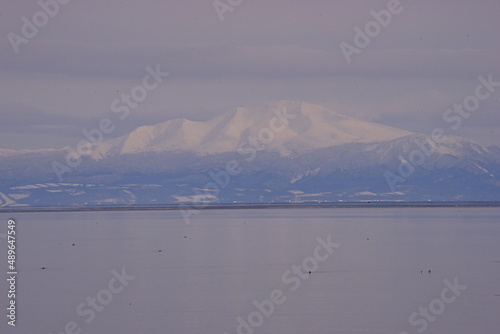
point(63, 78)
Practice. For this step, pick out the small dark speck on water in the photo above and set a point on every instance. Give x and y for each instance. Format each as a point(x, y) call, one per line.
point(185, 237)
point(73, 244)
point(159, 250)
point(43, 268)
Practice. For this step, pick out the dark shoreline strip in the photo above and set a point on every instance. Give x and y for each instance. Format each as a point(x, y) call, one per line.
point(253, 206)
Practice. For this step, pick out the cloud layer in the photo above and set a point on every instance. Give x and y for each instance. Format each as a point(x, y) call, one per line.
point(427, 58)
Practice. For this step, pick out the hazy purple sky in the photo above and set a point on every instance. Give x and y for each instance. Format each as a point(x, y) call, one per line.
point(66, 77)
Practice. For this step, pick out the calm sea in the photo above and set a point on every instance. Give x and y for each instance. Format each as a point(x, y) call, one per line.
point(377, 271)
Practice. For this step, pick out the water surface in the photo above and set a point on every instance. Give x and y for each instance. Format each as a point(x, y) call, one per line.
point(199, 278)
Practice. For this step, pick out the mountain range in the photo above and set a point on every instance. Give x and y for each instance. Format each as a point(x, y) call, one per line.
point(282, 152)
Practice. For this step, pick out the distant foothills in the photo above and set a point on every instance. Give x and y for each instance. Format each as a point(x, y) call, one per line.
point(282, 152)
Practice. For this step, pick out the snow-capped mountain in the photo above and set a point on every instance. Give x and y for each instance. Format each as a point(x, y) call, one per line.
point(282, 152)
point(290, 127)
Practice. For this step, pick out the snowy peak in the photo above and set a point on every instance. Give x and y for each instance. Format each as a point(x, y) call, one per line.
point(284, 126)
point(318, 127)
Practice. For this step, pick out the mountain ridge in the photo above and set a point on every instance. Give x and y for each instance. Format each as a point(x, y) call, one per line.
point(319, 156)
point(308, 127)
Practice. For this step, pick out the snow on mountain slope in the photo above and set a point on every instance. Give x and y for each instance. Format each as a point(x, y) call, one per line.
point(308, 127)
point(452, 146)
point(10, 152)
